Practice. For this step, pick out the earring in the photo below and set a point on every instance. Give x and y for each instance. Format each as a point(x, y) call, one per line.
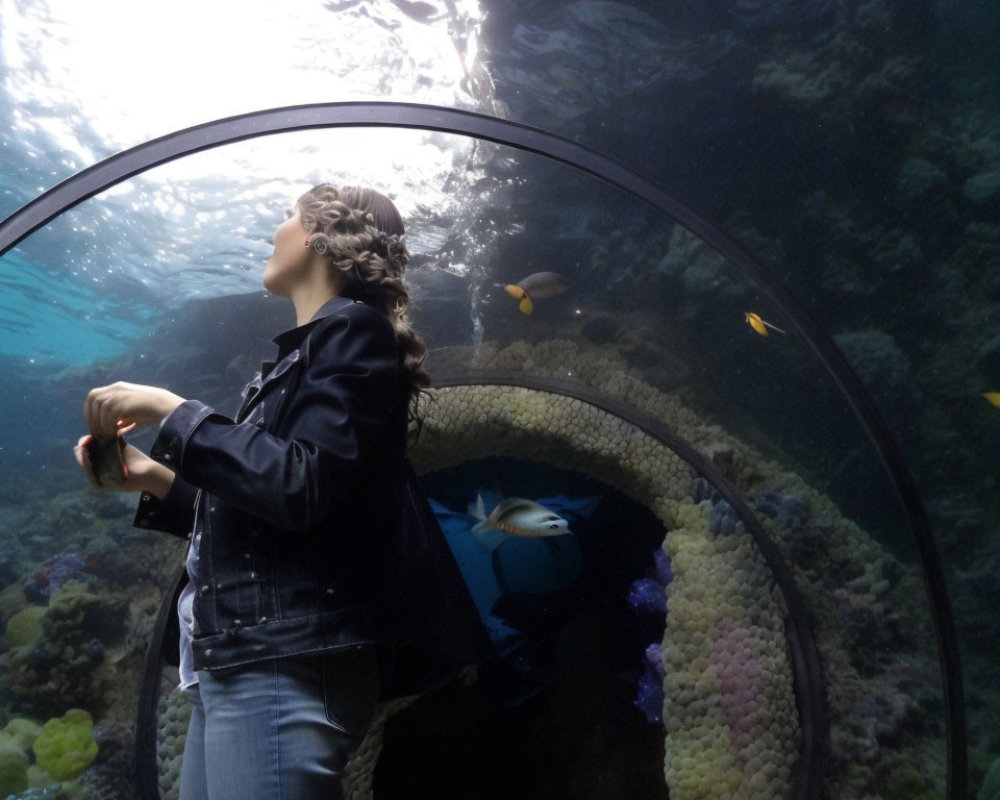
point(307, 243)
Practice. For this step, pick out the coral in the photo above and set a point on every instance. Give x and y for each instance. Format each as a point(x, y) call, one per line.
point(66, 745)
point(649, 593)
point(648, 596)
point(60, 666)
point(25, 627)
point(22, 732)
point(722, 585)
point(726, 634)
point(649, 696)
point(173, 715)
point(13, 770)
point(729, 702)
point(53, 574)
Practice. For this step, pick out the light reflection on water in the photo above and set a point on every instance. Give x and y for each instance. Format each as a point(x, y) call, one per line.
point(82, 83)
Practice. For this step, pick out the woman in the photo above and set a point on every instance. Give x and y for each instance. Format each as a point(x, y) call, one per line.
point(313, 557)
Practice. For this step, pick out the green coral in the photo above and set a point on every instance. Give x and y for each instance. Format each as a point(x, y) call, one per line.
point(25, 627)
point(60, 666)
point(13, 770)
point(22, 732)
point(66, 746)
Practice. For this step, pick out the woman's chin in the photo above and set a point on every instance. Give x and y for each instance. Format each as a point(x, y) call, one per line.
point(271, 285)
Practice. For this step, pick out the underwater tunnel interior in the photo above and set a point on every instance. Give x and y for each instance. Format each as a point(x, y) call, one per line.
point(718, 624)
point(713, 281)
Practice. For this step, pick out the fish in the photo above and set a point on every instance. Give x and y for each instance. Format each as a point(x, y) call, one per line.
point(993, 397)
point(107, 459)
point(760, 325)
point(519, 517)
point(537, 286)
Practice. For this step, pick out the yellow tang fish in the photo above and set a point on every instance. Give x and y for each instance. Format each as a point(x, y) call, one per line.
point(993, 397)
point(537, 286)
point(760, 325)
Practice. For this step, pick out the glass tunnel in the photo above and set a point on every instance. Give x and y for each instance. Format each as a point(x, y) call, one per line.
point(753, 601)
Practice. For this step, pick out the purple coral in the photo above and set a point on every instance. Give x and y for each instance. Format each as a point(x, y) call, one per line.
point(649, 696)
point(53, 575)
point(648, 594)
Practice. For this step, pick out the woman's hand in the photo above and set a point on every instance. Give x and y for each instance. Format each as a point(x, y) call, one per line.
point(142, 474)
point(110, 411)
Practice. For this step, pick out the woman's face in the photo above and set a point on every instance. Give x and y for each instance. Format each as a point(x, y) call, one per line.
point(290, 260)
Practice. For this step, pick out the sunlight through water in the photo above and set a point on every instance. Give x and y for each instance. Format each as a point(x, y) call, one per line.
point(83, 81)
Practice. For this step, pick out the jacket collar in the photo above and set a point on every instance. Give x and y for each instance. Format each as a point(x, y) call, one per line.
point(292, 338)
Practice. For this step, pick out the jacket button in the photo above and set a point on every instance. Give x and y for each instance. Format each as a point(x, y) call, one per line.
point(208, 653)
point(205, 588)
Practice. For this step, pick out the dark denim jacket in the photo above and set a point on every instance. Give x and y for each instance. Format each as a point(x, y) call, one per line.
point(313, 532)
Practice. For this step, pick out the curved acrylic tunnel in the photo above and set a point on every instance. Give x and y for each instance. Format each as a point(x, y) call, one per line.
point(805, 646)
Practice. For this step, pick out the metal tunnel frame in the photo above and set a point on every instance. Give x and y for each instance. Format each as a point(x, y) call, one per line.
point(128, 163)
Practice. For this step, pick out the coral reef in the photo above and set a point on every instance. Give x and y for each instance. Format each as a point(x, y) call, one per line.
point(568, 432)
point(173, 715)
point(66, 745)
point(724, 611)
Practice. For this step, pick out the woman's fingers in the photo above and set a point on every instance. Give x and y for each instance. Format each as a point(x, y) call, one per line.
point(117, 408)
point(100, 411)
point(82, 455)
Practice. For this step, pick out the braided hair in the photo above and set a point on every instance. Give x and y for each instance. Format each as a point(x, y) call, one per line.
point(361, 233)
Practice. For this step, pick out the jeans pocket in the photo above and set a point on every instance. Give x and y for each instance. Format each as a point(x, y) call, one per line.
point(350, 689)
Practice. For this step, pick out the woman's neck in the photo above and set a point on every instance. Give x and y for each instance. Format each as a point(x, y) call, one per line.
point(307, 303)
point(310, 295)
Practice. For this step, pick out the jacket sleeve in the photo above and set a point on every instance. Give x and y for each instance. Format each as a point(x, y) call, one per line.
point(174, 514)
point(336, 413)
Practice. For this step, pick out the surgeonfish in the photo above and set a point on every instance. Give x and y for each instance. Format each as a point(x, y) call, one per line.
point(760, 325)
point(519, 517)
point(993, 397)
point(537, 286)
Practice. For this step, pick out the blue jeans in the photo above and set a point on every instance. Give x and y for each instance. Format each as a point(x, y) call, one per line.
point(281, 730)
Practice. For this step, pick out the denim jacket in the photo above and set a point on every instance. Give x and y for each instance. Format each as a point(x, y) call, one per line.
point(313, 534)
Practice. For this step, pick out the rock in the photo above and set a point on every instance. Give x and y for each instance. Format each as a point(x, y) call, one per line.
point(919, 180)
point(982, 191)
point(988, 360)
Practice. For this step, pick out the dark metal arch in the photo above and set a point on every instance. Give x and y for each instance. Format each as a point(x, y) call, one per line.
point(156, 152)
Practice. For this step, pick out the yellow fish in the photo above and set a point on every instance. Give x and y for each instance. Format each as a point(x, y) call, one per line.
point(760, 325)
point(538, 286)
point(993, 397)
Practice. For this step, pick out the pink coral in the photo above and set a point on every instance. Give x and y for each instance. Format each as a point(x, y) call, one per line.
point(738, 671)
